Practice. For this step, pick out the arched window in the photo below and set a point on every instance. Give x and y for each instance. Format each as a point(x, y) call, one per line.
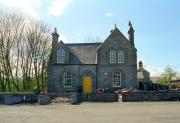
point(67, 79)
point(116, 77)
point(112, 56)
point(60, 56)
point(120, 56)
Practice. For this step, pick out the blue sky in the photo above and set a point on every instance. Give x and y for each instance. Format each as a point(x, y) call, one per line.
point(156, 24)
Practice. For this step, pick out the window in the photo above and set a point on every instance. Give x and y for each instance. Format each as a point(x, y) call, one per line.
point(120, 56)
point(67, 79)
point(60, 56)
point(112, 56)
point(116, 76)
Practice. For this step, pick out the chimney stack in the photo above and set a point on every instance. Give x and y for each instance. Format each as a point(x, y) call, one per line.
point(131, 33)
point(55, 37)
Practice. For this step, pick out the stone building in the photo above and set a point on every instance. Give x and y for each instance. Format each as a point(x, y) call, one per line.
point(143, 77)
point(142, 74)
point(111, 64)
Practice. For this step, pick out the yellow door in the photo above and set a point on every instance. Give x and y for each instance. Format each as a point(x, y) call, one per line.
point(87, 85)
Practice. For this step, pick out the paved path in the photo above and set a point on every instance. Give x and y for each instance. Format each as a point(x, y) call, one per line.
point(136, 112)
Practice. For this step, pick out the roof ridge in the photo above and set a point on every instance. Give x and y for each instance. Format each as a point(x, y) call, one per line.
point(82, 44)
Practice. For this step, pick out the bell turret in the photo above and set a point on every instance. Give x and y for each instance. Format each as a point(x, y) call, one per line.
point(140, 65)
point(55, 37)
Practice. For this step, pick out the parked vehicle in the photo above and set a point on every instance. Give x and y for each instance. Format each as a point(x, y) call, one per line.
point(99, 90)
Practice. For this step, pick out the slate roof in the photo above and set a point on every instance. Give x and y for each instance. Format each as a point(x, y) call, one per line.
point(83, 53)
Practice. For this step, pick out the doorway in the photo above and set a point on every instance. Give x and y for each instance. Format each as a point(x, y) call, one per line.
point(87, 85)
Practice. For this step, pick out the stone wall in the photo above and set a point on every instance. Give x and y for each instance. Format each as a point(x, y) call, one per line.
point(55, 82)
point(103, 97)
point(29, 98)
point(150, 96)
point(32, 98)
point(116, 41)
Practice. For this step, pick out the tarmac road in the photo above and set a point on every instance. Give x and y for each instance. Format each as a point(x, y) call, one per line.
point(122, 112)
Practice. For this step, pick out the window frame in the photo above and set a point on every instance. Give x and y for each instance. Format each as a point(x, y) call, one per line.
point(116, 78)
point(112, 56)
point(67, 79)
point(61, 56)
point(121, 56)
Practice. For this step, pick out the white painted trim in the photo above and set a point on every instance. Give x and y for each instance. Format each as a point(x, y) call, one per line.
point(62, 55)
point(64, 80)
point(119, 79)
point(121, 56)
point(112, 56)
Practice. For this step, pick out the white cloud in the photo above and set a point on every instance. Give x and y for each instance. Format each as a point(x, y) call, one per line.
point(154, 71)
point(109, 14)
point(26, 6)
point(58, 7)
point(64, 38)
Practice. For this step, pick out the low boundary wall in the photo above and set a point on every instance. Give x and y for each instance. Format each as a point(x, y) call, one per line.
point(31, 98)
point(103, 97)
point(150, 96)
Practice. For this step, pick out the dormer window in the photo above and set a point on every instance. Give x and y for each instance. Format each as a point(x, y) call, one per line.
point(120, 56)
point(112, 56)
point(60, 56)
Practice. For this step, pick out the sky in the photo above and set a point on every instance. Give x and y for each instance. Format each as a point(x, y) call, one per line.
point(156, 24)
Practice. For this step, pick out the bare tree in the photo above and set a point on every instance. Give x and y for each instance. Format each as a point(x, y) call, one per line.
point(11, 28)
point(39, 46)
point(24, 52)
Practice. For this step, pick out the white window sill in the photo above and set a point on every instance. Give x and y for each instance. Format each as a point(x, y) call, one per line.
point(116, 86)
point(67, 86)
point(60, 62)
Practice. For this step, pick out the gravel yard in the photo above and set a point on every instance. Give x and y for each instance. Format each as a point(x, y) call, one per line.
point(122, 112)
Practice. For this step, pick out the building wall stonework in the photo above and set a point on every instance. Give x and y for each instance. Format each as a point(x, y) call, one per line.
point(128, 69)
point(56, 80)
point(105, 79)
point(56, 77)
point(93, 59)
point(88, 71)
